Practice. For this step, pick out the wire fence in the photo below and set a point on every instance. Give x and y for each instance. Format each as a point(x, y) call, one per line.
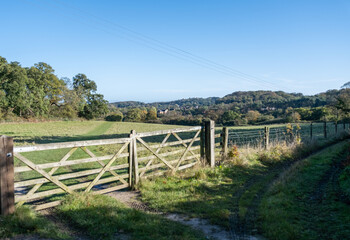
point(255, 136)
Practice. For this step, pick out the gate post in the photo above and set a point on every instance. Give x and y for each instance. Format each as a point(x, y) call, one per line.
point(202, 143)
point(133, 164)
point(210, 142)
point(7, 190)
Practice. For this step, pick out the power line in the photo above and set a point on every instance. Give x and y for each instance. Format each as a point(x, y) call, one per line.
point(165, 48)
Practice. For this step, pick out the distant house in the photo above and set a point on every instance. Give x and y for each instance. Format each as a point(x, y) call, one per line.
point(162, 112)
point(268, 109)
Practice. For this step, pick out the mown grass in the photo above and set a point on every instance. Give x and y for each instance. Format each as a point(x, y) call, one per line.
point(26, 221)
point(102, 217)
point(304, 203)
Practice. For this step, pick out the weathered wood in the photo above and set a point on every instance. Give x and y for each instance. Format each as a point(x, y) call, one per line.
point(111, 189)
point(192, 141)
point(135, 159)
point(43, 173)
point(77, 144)
point(130, 160)
point(39, 195)
point(163, 132)
point(168, 144)
point(67, 163)
point(47, 205)
point(166, 154)
point(210, 142)
point(52, 171)
point(266, 137)
point(217, 135)
point(91, 154)
point(157, 151)
point(155, 166)
point(224, 142)
point(202, 144)
point(186, 151)
point(67, 176)
point(106, 167)
point(154, 153)
point(7, 199)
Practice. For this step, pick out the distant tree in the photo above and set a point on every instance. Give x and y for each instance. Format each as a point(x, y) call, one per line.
point(151, 114)
point(252, 116)
point(134, 115)
point(115, 117)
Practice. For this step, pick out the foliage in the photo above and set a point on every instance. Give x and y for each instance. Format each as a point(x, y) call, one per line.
point(115, 117)
point(36, 92)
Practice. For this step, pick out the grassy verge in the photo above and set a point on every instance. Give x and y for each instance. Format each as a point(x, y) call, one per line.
point(26, 221)
point(229, 195)
point(304, 203)
point(102, 217)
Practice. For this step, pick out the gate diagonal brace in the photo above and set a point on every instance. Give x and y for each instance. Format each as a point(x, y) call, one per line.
point(157, 151)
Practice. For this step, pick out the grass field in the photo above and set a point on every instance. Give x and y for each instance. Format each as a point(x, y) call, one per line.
point(46, 132)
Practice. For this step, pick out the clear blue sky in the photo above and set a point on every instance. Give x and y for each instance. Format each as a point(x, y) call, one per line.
point(295, 46)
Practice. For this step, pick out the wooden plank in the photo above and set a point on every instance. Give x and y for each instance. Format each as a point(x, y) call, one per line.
point(91, 154)
point(166, 154)
point(168, 144)
point(7, 198)
point(67, 163)
point(154, 166)
point(163, 132)
point(187, 166)
point(106, 167)
point(135, 158)
point(157, 151)
point(43, 173)
point(130, 160)
point(66, 176)
point(111, 189)
point(77, 144)
point(217, 135)
point(43, 194)
point(47, 205)
point(186, 151)
point(202, 144)
point(52, 171)
point(184, 144)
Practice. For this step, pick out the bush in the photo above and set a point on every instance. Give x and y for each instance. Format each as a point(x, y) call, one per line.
point(115, 117)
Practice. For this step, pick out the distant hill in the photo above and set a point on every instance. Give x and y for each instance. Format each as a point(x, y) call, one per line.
point(244, 100)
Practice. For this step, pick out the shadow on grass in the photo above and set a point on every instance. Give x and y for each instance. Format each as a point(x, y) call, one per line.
point(102, 217)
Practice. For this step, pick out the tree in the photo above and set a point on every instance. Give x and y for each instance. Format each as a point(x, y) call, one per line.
point(252, 116)
point(151, 114)
point(134, 115)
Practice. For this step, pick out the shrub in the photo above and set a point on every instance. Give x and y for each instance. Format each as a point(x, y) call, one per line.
point(114, 117)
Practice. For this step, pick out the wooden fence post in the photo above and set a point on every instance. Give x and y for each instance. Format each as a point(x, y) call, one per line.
point(7, 191)
point(131, 159)
point(202, 143)
point(210, 142)
point(266, 137)
point(325, 129)
point(135, 162)
point(311, 131)
point(224, 142)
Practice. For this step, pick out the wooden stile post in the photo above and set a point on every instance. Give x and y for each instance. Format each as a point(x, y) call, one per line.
point(266, 137)
point(7, 191)
point(210, 142)
point(202, 143)
point(325, 129)
point(224, 142)
point(135, 163)
point(311, 131)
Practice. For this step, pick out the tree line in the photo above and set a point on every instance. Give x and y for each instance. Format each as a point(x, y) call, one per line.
point(36, 92)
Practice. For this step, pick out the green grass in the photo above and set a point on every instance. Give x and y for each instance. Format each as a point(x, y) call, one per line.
point(305, 204)
point(26, 221)
point(101, 217)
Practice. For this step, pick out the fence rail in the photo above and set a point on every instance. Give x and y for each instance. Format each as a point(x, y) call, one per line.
point(42, 174)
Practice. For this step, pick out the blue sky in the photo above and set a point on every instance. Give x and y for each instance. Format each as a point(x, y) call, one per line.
point(294, 46)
